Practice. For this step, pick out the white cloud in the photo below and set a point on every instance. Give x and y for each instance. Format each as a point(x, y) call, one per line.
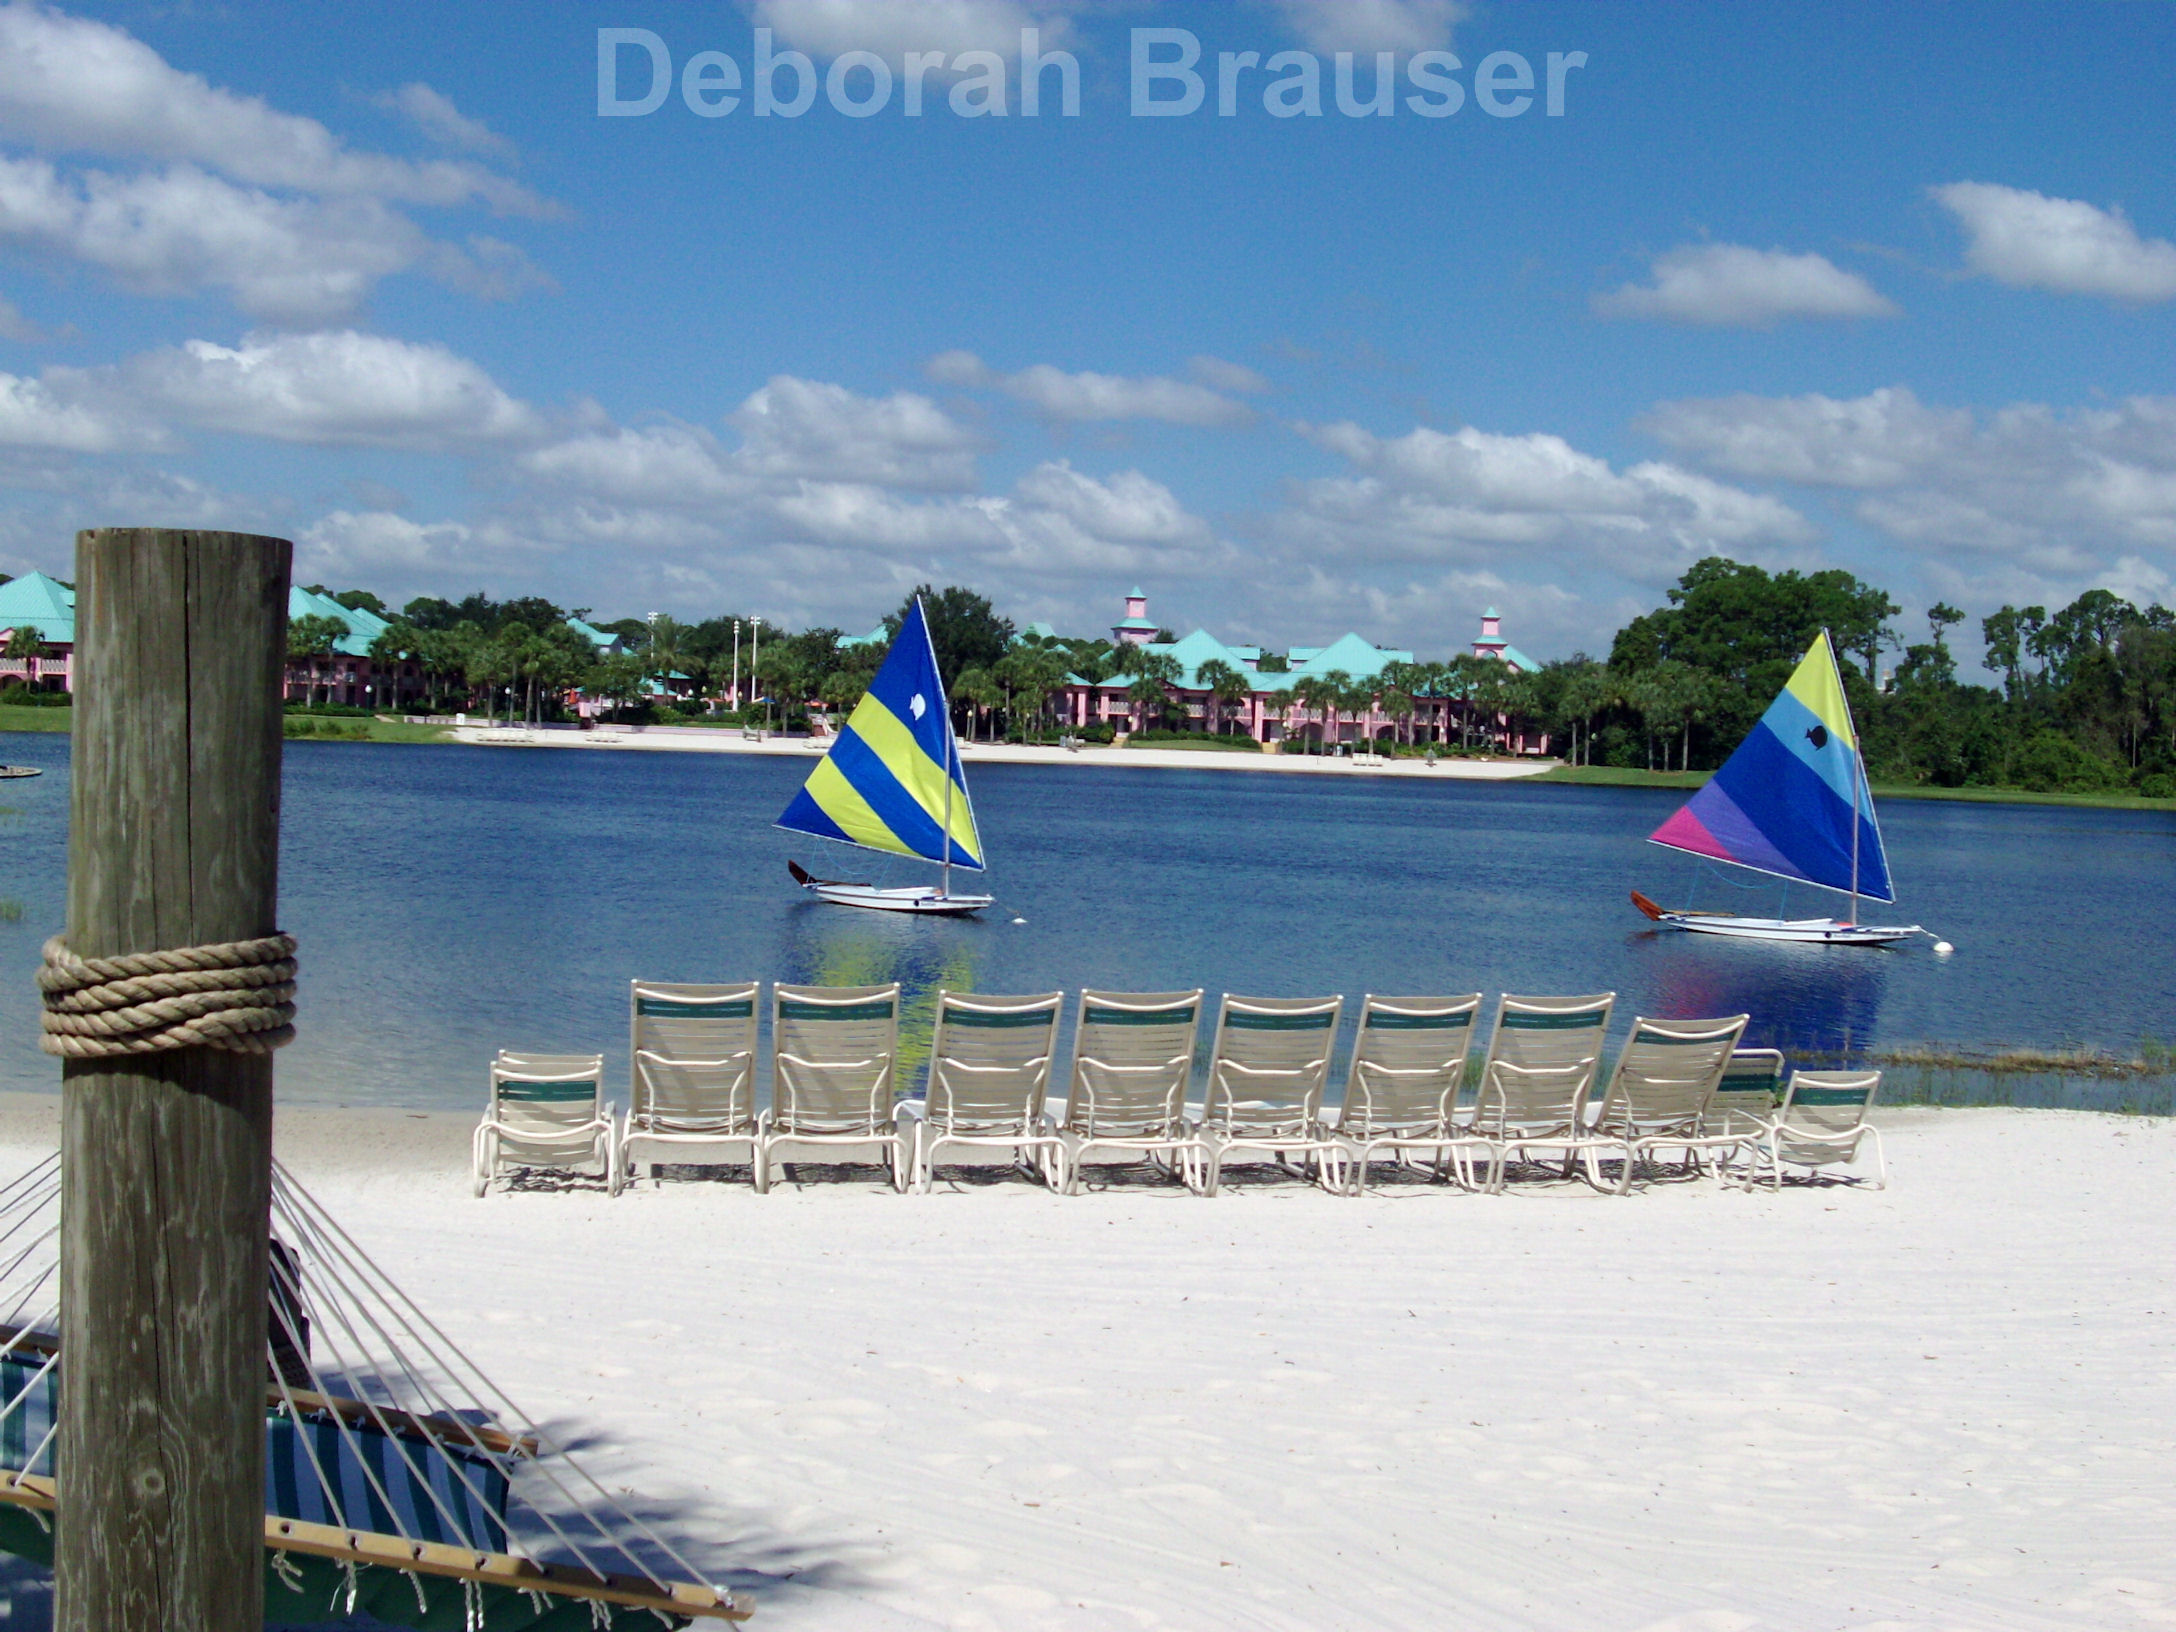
point(2061, 493)
point(33, 416)
point(288, 260)
point(71, 84)
point(374, 546)
point(1127, 508)
point(830, 28)
point(1877, 440)
point(332, 389)
point(1051, 393)
point(435, 115)
point(1472, 498)
point(2031, 241)
point(667, 464)
point(1373, 25)
point(1731, 285)
point(806, 428)
point(1219, 375)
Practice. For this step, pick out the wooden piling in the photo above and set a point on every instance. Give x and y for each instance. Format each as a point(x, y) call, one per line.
point(173, 842)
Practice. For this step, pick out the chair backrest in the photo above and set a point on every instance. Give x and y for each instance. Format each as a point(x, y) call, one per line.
point(1271, 1059)
point(545, 1094)
point(692, 1052)
point(1746, 1096)
point(1826, 1105)
point(1408, 1062)
point(833, 1050)
point(1542, 1059)
point(1133, 1059)
point(989, 1060)
point(1666, 1073)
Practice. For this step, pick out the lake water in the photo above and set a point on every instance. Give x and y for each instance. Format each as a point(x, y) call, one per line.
point(452, 901)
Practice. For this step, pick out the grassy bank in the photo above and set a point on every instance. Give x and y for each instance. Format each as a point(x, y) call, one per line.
point(1608, 776)
point(35, 719)
point(323, 729)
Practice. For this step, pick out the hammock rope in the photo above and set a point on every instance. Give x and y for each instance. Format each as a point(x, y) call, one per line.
point(420, 1465)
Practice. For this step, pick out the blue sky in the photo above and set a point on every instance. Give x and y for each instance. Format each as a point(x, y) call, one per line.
point(1892, 289)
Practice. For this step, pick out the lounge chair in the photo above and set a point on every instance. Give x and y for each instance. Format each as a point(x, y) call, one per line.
point(1401, 1092)
point(692, 1075)
point(1541, 1064)
point(989, 1069)
point(1266, 1074)
point(1658, 1094)
point(546, 1110)
point(834, 1094)
point(1133, 1057)
point(1821, 1123)
point(1745, 1100)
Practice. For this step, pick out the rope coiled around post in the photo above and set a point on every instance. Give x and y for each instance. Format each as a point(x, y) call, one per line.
point(236, 995)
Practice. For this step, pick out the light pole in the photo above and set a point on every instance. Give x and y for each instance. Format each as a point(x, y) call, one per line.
point(755, 663)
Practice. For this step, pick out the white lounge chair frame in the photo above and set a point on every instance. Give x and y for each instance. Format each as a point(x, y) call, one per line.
point(1541, 1065)
point(1745, 1101)
point(692, 1075)
point(1401, 1091)
point(1657, 1095)
point(1266, 1074)
point(535, 1117)
point(834, 1093)
point(1133, 1062)
point(989, 1072)
point(1821, 1123)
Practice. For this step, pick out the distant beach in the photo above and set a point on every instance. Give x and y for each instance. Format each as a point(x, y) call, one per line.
point(706, 740)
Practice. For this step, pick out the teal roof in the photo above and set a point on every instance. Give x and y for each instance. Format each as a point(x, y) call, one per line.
point(878, 636)
point(1149, 624)
point(605, 640)
point(363, 627)
point(1199, 648)
point(1362, 659)
point(45, 604)
point(1038, 631)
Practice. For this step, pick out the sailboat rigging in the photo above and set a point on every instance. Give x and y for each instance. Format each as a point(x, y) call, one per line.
point(892, 782)
point(1793, 802)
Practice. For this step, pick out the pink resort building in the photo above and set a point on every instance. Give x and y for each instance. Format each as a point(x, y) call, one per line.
point(1273, 704)
point(38, 630)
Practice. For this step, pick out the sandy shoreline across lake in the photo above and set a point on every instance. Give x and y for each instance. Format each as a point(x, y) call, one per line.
point(702, 740)
point(1947, 1405)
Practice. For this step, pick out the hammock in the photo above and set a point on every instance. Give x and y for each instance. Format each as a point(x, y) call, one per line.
point(400, 1483)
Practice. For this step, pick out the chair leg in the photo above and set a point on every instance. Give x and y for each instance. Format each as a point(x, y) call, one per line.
point(759, 1166)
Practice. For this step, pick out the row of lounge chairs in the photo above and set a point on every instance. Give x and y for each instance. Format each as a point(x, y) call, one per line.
point(1678, 1088)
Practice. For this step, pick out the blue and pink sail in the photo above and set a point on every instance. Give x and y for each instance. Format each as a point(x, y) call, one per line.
point(1793, 801)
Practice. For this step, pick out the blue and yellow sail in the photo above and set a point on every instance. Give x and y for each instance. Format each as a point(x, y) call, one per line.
point(892, 780)
point(1792, 800)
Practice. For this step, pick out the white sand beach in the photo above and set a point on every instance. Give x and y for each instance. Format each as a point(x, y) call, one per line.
point(704, 740)
point(1948, 1405)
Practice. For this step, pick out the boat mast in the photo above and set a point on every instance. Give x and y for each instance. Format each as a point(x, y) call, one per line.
point(1858, 775)
point(951, 762)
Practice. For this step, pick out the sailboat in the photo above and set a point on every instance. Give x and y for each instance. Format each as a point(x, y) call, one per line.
point(1792, 802)
point(892, 781)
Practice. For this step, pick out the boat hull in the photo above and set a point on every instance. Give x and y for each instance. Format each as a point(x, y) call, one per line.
point(1811, 931)
point(920, 899)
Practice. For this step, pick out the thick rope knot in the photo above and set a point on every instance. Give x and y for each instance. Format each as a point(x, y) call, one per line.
point(238, 995)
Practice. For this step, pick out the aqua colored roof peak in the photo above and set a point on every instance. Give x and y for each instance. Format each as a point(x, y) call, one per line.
point(42, 603)
point(363, 626)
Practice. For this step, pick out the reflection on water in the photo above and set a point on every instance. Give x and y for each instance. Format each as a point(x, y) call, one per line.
point(453, 901)
point(835, 946)
point(1823, 1000)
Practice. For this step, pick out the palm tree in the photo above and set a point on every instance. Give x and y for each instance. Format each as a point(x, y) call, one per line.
point(1155, 671)
point(310, 639)
point(1227, 688)
point(981, 692)
point(25, 646)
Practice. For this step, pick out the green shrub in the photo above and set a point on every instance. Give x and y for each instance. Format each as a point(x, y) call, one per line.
point(2053, 763)
point(2158, 785)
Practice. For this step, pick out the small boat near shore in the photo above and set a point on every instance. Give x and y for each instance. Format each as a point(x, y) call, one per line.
point(1791, 802)
point(892, 782)
point(10, 772)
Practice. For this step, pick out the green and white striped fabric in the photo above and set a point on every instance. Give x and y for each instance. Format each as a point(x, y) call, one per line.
point(30, 1402)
